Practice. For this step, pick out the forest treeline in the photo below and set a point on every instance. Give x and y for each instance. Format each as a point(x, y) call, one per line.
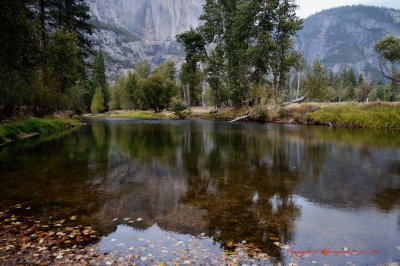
point(44, 50)
point(241, 55)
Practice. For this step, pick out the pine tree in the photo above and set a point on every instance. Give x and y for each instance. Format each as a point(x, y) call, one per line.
point(99, 79)
point(316, 83)
point(72, 15)
point(97, 102)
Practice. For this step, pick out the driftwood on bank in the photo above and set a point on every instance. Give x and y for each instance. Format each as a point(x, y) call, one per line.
point(253, 114)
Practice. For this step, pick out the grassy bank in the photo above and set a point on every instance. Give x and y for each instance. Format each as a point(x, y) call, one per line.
point(22, 129)
point(353, 115)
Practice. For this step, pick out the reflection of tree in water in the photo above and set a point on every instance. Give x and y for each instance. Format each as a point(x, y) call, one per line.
point(234, 182)
point(387, 195)
point(244, 196)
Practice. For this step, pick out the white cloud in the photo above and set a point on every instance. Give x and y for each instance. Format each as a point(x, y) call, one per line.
point(309, 7)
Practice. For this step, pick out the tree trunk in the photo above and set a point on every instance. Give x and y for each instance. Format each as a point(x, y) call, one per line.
point(298, 85)
point(203, 94)
point(184, 93)
point(253, 114)
point(42, 29)
point(188, 96)
point(290, 88)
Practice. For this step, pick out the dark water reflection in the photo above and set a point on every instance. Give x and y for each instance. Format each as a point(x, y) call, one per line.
point(306, 186)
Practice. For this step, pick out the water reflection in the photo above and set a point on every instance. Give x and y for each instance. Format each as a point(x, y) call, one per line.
point(233, 182)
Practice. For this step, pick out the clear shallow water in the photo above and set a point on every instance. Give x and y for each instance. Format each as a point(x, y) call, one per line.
point(211, 184)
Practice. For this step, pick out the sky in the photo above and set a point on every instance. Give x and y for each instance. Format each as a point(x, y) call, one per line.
point(309, 7)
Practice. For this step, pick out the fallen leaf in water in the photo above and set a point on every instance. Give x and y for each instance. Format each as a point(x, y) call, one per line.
point(109, 262)
point(185, 251)
point(161, 264)
point(139, 219)
point(28, 208)
point(143, 258)
point(133, 237)
point(130, 222)
point(152, 246)
point(273, 238)
point(174, 251)
point(126, 219)
point(314, 262)
point(73, 218)
point(113, 240)
point(186, 262)
point(115, 219)
point(277, 244)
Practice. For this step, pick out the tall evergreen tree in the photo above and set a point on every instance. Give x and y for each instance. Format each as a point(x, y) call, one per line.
point(72, 15)
point(99, 79)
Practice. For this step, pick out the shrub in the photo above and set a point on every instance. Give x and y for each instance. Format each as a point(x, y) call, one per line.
point(179, 109)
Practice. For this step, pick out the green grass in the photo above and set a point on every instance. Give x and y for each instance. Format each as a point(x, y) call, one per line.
point(374, 115)
point(12, 130)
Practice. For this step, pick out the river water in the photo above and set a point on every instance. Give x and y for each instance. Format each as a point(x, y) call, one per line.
point(198, 188)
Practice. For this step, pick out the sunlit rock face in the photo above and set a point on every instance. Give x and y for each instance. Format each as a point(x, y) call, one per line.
point(155, 22)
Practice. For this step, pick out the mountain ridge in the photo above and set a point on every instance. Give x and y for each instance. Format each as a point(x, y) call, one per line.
point(343, 37)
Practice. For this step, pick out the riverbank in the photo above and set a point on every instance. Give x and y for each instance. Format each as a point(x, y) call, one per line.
point(22, 129)
point(351, 115)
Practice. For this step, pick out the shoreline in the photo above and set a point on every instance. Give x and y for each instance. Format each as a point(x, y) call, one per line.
point(378, 115)
point(24, 129)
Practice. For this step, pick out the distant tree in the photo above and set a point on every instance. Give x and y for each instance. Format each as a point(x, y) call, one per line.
point(99, 78)
point(98, 101)
point(388, 49)
point(190, 80)
point(316, 82)
point(155, 92)
point(143, 69)
point(127, 94)
point(76, 97)
point(350, 92)
point(167, 70)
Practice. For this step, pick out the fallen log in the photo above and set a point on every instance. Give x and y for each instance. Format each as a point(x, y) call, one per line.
point(253, 114)
point(299, 100)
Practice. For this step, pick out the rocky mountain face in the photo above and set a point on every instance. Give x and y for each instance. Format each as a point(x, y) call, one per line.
point(345, 36)
point(130, 30)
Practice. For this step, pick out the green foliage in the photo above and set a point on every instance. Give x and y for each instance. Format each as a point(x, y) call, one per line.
point(42, 53)
point(19, 53)
point(72, 16)
point(12, 130)
point(98, 101)
point(389, 48)
point(178, 109)
point(316, 82)
point(353, 115)
point(167, 69)
point(251, 41)
point(64, 64)
point(155, 92)
point(143, 69)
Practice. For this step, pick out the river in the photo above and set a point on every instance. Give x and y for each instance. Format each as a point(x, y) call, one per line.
point(171, 186)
